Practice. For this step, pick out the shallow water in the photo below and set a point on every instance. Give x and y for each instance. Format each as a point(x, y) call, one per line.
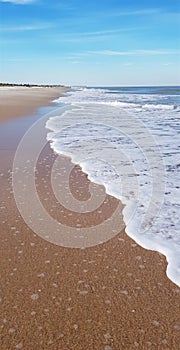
point(127, 140)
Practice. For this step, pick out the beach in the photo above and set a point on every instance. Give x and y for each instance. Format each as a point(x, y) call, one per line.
point(20, 101)
point(111, 296)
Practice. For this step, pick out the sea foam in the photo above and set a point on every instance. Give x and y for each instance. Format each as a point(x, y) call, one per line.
point(129, 144)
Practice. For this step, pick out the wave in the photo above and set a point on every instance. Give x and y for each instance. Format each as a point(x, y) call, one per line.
point(145, 106)
point(134, 155)
point(130, 100)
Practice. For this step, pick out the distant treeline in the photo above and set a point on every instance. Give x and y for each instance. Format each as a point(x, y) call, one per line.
point(29, 85)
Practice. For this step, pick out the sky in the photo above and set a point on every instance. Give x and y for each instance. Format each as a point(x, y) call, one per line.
point(95, 42)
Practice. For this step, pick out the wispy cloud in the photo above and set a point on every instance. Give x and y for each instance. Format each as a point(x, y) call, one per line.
point(135, 52)
point(95, 35)
point(128, 64)
point(167, 64)
point(27, 27)
point(126, 13)
point(84, 55)
point(110, 31)
point(19, 2)
point(140, 12)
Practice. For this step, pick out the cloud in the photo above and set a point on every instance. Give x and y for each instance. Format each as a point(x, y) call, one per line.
point(25, 27)
point(167, 64)
point(19, 2)
point(130, 13)
point(140, 12)
point(128, 64)
point(95, 35)
point(80, 55)
point(110, 31)
point(135, 52)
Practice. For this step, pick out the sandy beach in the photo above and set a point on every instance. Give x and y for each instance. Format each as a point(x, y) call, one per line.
point(20, 101)
point(113, 296)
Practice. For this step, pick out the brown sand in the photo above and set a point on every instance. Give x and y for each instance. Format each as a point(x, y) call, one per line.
point(19, 101)
point(112, 296)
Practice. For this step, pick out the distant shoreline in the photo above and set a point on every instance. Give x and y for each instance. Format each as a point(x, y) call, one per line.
point(31, 85)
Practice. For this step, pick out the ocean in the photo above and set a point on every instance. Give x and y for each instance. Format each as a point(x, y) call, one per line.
point(127, 139)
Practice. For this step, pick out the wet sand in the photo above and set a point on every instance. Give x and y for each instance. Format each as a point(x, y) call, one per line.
point(115, 295)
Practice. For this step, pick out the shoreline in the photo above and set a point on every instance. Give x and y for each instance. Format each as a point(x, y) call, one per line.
point(159, 236)
point(111, 296)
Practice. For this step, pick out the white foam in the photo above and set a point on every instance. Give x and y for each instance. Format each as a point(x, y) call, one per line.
point(127, 101)
point(134, 155)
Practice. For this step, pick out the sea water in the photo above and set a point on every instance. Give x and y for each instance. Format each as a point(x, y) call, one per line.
point(126, 138)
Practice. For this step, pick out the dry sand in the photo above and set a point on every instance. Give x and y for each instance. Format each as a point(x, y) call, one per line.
point(112, 296)
point(19, 101)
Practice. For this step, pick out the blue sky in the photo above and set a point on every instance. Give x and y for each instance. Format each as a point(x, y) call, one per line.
point(99, 42)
